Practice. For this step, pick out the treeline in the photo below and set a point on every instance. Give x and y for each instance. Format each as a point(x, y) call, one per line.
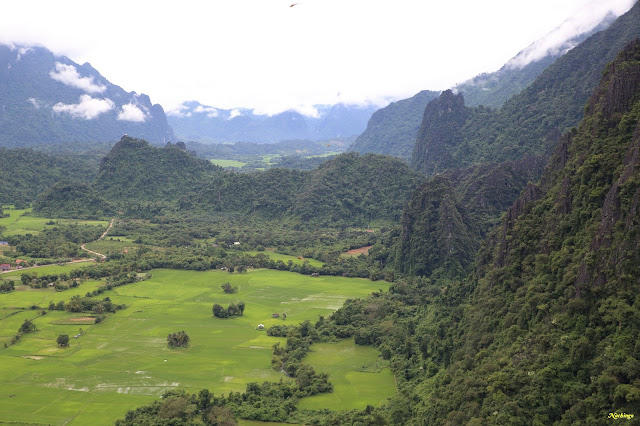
point(56, 242)
point(346, 190)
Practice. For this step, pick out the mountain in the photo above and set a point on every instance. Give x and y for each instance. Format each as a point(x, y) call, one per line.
point(494, 89)
point(201, 123)
point(392, 130)
point(545, 331)
point(49, 99)
point(135, 170)
point(530, 122)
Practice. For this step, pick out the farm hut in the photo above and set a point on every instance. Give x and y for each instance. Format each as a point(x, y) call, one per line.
point(19, 261)
point(4, 243)
point(275, 315)
point(315, 274)
point(236, 243)
point(5, 267)
point(260, 326)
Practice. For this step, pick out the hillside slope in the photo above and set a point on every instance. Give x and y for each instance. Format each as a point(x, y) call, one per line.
point(546, 330)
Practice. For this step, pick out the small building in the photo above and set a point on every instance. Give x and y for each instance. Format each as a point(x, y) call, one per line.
point(4, 243)
point(5, 267)
point(275, 315)
point(315, 274)
point(19, 261)
point(236, 243)
point(260, 326)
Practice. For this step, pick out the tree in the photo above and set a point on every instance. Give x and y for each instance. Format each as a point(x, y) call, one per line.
point(27, 327)
point(63, 340)
point(179, 339)
point(218, 311)
point(240, 307)
point(229, 289)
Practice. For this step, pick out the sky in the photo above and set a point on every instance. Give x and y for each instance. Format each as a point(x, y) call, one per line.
point(274, 55)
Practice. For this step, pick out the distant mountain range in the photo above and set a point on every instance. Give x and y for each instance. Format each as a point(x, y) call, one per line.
point(201, 123)
point(47, 99)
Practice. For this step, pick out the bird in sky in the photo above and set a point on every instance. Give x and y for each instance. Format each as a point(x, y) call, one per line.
point(294, 4)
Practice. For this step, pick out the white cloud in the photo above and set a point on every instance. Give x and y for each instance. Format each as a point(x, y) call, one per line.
point(210, 111)
point(88, 107)
point(68, 75)
point(234, 113)
point(23, 51)
point(179, 111)
point(34, 102)
point(131, 112)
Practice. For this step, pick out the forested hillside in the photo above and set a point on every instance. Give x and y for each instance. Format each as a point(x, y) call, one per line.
point(348, 189)
point(26, 173)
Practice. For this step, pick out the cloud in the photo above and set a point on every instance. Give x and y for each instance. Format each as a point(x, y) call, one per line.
point(67, 74)
point(34, 102)
point(131, 112)
point(88, 107)
point(179, 111)
point(234, 113)
point(211, 111)
point(561, 38)
point(23, 51)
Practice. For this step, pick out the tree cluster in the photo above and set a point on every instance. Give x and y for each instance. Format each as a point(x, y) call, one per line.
point(231, 311)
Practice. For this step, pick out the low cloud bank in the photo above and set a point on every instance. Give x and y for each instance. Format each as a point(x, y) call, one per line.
point(88, 108)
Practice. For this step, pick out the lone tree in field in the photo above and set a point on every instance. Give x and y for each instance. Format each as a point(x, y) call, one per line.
point(178, 340)
point(63, 340)
point(229, 289)
point(27, 327)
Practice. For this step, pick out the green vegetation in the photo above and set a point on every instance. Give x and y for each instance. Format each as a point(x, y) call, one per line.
point(76, 200)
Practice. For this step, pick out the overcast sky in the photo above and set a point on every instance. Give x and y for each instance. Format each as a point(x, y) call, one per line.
point(271, 56)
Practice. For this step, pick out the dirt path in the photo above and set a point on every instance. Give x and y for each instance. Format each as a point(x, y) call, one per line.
point(104, 234)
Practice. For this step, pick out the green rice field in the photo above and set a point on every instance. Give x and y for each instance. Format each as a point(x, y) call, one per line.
point(125, 362)
point(227, 163)
point(17, 224)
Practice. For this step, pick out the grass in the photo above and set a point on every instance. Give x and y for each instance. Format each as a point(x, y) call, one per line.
point(227, 163)
point(359, 376)
point(125, 362)
point(286, 258)
point(17, 224)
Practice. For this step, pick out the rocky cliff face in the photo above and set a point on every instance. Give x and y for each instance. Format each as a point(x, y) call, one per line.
point(439, 135)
